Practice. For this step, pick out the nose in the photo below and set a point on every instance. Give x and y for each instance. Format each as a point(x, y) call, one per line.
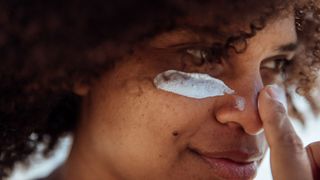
point(247, 117)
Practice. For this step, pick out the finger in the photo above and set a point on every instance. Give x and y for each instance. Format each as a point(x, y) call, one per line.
point(314, 157)
point(289, 159)
point(275, 120)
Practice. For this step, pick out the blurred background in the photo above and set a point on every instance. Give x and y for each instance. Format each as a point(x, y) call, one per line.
point(41, 167)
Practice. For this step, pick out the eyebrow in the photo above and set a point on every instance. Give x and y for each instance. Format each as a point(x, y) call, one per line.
point(288, 47)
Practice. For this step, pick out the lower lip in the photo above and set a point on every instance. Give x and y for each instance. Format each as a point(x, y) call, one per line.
point(228, 169)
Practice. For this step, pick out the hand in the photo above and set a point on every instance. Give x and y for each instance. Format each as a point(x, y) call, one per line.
point(289, 159)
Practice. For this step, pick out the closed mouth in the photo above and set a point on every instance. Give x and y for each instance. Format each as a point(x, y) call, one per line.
point(230, 165)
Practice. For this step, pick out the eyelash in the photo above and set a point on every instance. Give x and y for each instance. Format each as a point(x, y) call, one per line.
point(278, 64)
point(202, 55)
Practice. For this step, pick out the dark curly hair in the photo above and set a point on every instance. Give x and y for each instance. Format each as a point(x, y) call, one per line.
point(47, 46)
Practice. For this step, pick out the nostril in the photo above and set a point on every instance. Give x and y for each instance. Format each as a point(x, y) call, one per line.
point(251, 122)
point(234, 125)
point(249, 130)
point(255, 130)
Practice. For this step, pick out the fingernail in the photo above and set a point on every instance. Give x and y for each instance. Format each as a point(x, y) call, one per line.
point(277, 93)
point(273, 91)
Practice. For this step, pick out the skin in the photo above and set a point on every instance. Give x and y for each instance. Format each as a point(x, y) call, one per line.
point(131, 130)
point(289, 159)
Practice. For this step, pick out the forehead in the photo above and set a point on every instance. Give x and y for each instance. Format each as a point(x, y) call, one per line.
point(279, 35)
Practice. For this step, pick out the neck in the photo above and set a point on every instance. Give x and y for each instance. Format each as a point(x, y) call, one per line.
point(82, 164)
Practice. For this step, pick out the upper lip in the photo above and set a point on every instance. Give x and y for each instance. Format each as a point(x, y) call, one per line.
point(237, 155)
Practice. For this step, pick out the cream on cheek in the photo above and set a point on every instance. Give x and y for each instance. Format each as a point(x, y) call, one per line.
point(193, 85)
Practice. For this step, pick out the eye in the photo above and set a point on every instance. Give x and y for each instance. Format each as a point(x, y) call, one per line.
point(277, 65)
point(273, 70)
point(201, 55)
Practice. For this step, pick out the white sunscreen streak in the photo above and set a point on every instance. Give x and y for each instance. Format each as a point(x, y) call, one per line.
point(193, 85)
point(240, 103)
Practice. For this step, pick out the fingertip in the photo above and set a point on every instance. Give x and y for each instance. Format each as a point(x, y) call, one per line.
point(262, 96)
point(273, 114)
point(277, 93)
point(272, 96)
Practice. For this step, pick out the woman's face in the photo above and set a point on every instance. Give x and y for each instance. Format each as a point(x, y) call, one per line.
point(129, 129)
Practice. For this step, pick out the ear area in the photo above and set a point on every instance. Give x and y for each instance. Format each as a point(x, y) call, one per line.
point(81, 89)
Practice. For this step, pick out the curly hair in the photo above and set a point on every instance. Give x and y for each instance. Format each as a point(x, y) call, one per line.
point(47, 46)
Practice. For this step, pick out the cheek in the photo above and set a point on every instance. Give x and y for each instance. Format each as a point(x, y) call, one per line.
point(163, 119)
point(139, 123)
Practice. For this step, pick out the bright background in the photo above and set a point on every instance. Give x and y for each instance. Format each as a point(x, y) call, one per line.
point(40, 167)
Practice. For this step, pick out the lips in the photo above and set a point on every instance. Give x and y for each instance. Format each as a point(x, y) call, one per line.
point(231, 164)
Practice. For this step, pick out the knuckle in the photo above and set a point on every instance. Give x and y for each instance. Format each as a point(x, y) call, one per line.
point(315, 145)
point(277, 115)
point(279, 108)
